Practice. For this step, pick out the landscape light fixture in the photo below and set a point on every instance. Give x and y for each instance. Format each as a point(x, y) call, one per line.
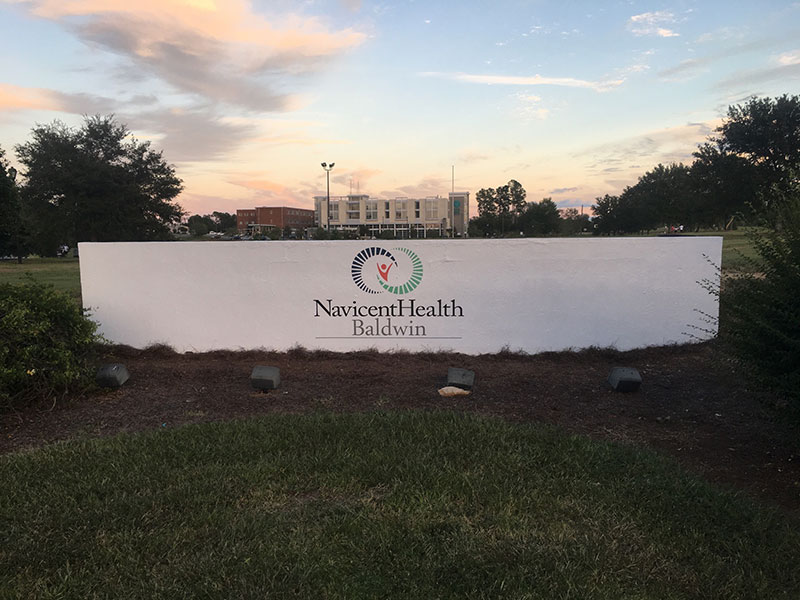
point(328, 168)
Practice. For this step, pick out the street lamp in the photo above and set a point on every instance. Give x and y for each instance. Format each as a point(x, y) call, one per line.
point(328, 168)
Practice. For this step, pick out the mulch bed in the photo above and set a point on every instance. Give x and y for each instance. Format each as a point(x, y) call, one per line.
point(692, 405)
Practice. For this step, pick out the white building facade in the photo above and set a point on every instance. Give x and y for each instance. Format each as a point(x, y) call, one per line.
point(434, 216)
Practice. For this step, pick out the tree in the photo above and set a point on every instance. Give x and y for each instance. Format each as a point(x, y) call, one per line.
point(223, 222)
point(724, 184)
point(487, 201)
point(12, 235)
point(540, 218)
point(573, 222)
point(606, 210)
point(200, 226)
point(499, 208)
point(95, 183)
point(766, 132)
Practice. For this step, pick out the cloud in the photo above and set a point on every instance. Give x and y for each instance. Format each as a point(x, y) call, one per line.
point(427, 186)
point(471, 155)
point(651, 23)
point(691, 67)
point(357, 176)
point(685, 69)
point(218, 51)
point(672, 144)
point(261, 185)
point(780, 73)
point(789, 58)
point(528, 107)
point(563, 190)
point(527, 80)
point(722, 34)
point(13, 97)
point(194, 134)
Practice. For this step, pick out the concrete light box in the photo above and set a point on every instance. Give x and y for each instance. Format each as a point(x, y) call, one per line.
point(265, 378)
point(460, 378)
point(112, 375)
point(624, 379)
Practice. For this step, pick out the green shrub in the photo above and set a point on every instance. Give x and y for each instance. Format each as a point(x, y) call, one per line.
point(760, 311)
point(47, 344)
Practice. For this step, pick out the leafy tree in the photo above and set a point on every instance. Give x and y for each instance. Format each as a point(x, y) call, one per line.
point(499, 208)
point(12, 242)
point(606, 210)
point(95, 183)
point(487, 202)
point(725, 185)
point(200, 226)
point(516, 194)
point(481, 226)
point(540, 218)
point(573, 222)
point(766, 132)
point(661, 197)
point(223, 222)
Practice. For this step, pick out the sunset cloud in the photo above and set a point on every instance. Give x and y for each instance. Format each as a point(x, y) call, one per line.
point(528, 80)
point(14, 97)
point(218, 51)
point(356, 176)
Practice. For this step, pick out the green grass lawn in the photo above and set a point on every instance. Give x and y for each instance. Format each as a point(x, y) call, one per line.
point(61, 273)
point(736, 249)
point(398, 505)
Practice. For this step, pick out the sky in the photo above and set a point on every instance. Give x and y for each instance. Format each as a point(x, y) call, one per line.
point(246, 98)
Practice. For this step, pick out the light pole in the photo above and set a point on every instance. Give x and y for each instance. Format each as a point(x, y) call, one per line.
point(328, 168)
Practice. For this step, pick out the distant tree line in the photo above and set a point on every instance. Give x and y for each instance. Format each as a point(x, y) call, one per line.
point(736, 176)
point(504, 212)
point(220, 222)
point(94, 183)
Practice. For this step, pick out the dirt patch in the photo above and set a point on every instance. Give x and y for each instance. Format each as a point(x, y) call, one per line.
point(692, 405)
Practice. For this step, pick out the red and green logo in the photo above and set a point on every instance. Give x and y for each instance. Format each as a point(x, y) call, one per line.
point(376, 270)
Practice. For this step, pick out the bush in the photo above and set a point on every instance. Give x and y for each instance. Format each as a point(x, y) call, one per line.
point(760, 311)
point(48, 343)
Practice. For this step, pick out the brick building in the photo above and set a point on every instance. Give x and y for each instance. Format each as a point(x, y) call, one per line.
point(253, 220)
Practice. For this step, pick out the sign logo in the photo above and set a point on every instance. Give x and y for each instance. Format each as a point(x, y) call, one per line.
point(376, 270)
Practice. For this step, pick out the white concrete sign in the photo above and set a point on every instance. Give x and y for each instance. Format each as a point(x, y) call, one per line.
point(471, 296)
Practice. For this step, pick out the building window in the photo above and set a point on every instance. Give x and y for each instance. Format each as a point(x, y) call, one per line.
point(386, 215)
point(431, 210)
point(416, 209)
point(401, 209)
point(372, 210)
point(353, 210)
point(334, 211)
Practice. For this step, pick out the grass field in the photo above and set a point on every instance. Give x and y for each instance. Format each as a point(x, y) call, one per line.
point(736, 249)
point(61, 273)
point(389, 505)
